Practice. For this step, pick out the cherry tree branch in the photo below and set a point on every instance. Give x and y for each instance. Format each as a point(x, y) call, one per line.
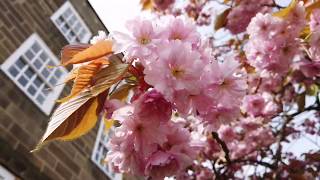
point(223, 145)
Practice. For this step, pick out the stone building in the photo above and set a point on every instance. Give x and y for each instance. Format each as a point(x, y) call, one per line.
point(32, 32)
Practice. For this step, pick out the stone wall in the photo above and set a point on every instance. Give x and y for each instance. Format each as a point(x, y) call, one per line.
point(21, 122)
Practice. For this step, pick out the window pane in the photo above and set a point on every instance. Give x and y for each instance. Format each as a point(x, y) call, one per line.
point(29, 72)
point(40, 99)
point(22, 80)
point(53, 81)
point(72, 20)
point(35, 47)
point(20, 63)
point(51, 63)
point(67, 13)
point(32, 90)
point(46, 90)
point(43, 56)
point(45, 72)
point(60, 20)
point(38, 82)
point(83, 33)
point(77, 27)
point(64, 29)
point(13, 71)
point(29, 54)
point(37, 63)
point(58, 73)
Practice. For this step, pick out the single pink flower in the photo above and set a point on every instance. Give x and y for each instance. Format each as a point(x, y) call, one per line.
point(253, 105)
point(227, 85)
point(181, 29)
point(177, 68)
point(152, 106)
point(141, 41)
point(161, 164)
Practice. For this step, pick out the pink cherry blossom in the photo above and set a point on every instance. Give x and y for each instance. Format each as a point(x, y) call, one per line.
point(181, 29)
point(140, 42)
point(310, 69)
point(111, 105)
point(240, 16)
point(272, 43)
point(161, 164)
point(177, 68)
point(153, 107)
point(228, 84)
point(253, 104)
point(163, 4)
point(315, 20)
point(315, 46)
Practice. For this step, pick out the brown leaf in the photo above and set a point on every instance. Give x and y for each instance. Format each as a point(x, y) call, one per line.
point(221, 19)
point(73, 118)
point(70, 50)
point(146, 4)
point(108, 76)
point(311, 7)
point(96, 51)
point(122, 92)
point(66, 117)
point(84, 76)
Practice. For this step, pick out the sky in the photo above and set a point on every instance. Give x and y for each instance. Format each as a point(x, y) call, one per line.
point(114, 13)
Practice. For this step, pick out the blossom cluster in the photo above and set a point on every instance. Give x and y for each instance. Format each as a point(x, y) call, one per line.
point(174, 73)
point(147, 143)
point(180, 66)
point(240, 16)
point(183, 77)
point(273, 45)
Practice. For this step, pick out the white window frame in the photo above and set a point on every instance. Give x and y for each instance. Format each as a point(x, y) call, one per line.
point(49, 101)
point(5, 174)
point(101, 131)
point(60, 12)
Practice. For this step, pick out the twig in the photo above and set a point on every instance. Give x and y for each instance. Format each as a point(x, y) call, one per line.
point(223, 146)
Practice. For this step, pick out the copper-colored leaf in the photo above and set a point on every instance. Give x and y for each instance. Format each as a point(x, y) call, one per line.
point(107, 76)
point(221, 19)
point(84, 77)
point(96, 51)
point(74, 118)
point(71, 112)
point(70, 50)
point(311, 7)
point(122, 92)
point(146, 4)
